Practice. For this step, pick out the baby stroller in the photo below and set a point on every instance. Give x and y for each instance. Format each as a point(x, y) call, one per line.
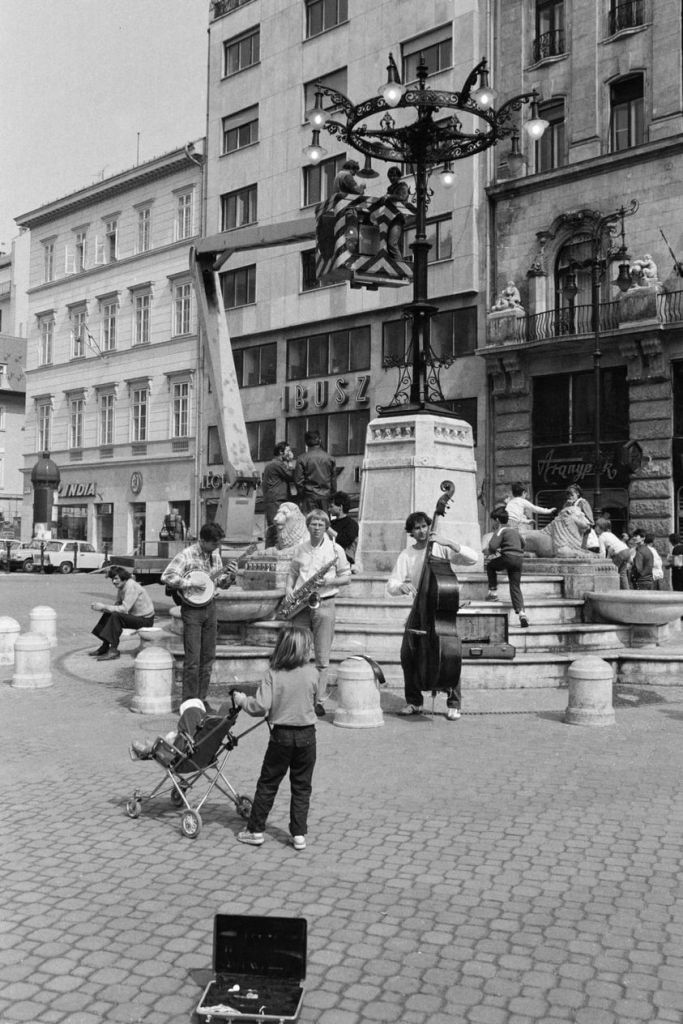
point(191, 758)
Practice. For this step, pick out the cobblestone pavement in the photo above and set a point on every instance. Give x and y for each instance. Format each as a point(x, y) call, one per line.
point(504, 869)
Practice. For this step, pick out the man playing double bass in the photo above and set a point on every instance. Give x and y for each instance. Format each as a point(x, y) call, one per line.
point(405, 579)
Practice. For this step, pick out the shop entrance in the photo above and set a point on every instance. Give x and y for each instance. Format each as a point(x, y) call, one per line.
point(138, 522)
point(72, 522)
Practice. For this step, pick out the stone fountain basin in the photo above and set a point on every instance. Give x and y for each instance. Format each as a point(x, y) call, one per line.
point(237, 605)
point(636, 607)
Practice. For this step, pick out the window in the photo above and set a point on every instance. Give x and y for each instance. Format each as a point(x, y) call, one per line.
point(2, 417)
point(436, 47)
point(46, 345)
point(182, 308)
point(550, 149)
point(141, 304)
point(324, 14)
point(238, 208)
point(139, 401)
point(241, 52)
point(144, 229)
point(318, 355)
point(78, 333)
point(257, 365)
point(563, 409)
point(80, 251)
point(453, 333)
point(111, 241)
point(76, 407)
point(240, 130)
point(48, 261)
point(627, 115)
point(44, 425)
point(318, 179)
point(110, 311)
point(549, 41)
point(309, 279)
point(439, 234)
point(261, 437)
point(334, 80)
point(106, 417)
point(185, 215)
point(239, 287)
point(180, 408)
point(346, 432)
point(625, 14)
point(221, 7)
point(213, 448)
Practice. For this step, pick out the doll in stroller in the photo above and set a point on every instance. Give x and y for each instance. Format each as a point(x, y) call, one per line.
point(196, 752)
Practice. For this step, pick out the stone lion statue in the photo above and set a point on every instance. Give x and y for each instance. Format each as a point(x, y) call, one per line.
point(562, 538)
point(290, 523)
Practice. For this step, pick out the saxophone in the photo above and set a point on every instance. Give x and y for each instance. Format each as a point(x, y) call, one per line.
point(305, 596)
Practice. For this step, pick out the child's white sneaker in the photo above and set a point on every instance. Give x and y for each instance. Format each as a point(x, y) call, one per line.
point(299, 842)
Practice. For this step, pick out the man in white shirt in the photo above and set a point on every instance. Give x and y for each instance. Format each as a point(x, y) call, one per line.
point(616, 550)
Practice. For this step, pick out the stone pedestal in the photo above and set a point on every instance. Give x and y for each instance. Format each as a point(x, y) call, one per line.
point(581, 576)
point(590, 692)
point(505, 325)
point(153, 682)
point(43, 619)
point(32, 662)
point(406, 459)
point(357, 696)
point(9, 631)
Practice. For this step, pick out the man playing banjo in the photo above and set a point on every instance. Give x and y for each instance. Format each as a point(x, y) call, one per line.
point(193, 575)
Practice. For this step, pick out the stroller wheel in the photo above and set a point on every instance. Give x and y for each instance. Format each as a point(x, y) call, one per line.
point(176, 798)
point(191, 824)
point(133, 808)
point(243, 805)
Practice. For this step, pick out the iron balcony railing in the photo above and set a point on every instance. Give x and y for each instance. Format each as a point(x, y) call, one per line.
point(557, 323)
point(550, 44)
point(670, 307)
point(628, 14)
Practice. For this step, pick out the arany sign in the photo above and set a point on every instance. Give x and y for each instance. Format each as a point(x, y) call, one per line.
point(558, 466)
point(320, 394)
point(77, 490)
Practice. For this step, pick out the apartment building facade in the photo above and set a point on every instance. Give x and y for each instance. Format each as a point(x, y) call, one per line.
point(319, 357)
point(113, 352)
point(609, 74)
point(13, 304)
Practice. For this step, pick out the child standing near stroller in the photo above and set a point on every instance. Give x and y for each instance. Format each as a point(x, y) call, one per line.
point(287, 698)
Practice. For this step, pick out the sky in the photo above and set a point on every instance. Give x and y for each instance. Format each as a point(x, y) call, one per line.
point(87, 86)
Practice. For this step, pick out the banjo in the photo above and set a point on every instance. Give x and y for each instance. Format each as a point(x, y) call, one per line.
point(205, 583)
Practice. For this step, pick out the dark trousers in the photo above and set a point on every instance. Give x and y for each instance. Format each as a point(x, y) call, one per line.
point(112, 624)
point(512, 564)
point(294, 750)
point(308, 502)
point(199, 644)
point(412, 678)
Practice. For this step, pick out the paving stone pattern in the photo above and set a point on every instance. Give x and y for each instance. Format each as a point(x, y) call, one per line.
point(504, 869)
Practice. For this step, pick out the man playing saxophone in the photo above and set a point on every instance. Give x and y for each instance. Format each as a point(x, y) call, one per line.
point(310, 557)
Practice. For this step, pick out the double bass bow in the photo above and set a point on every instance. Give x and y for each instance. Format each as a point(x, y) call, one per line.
point(431, 644)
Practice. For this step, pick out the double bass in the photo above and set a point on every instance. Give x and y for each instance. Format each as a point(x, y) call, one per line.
point(431, 649)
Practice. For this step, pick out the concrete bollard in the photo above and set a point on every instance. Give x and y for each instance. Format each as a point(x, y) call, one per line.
point(43, 619)
point(153, 681)
point(590, 692)
point(32, 662)
point(9, 631)
point(358, 696)
point(151, 634)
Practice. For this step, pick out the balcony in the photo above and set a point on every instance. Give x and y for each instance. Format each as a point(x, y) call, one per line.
point(629, 14)
point(550, 44)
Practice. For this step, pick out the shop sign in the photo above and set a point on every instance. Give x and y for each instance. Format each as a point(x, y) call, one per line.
point(558, 466)
point(77, 490)
point(213, 481)
point(320, 394)
point(136, 482)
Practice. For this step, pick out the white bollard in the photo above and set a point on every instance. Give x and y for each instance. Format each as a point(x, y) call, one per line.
point(357, 696)
point(32, 662)
point(9, 631)
point(590, 692)
point(43, 619)
point(153, 681)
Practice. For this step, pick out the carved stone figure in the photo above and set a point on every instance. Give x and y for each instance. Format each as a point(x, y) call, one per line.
point(644, 271)
point(509, 298)
point(562, 538)
point(290, 523)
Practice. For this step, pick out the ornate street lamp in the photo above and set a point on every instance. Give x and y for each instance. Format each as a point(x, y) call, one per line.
point(602, 231)
point(423, 144)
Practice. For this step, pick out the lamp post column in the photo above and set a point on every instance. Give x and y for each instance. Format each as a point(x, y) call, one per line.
point(420, 309)
point(596, 276)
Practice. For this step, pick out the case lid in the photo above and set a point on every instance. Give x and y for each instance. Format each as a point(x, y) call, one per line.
point(268, 946)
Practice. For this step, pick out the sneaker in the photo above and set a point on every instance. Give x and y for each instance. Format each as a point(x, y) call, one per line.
point(453, 714)
point(299, 842)
point(411, 709)
point(140, 751)
point(523, 621)
point(492, 595)
point(250, 838)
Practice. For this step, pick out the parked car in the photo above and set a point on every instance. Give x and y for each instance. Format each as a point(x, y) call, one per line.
point(20, 554)
point(69, 556)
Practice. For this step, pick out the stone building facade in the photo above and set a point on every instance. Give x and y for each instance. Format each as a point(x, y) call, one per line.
point(609, 77)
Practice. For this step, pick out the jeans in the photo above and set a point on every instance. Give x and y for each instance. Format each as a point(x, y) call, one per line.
point(292, 749)
point(320, 621)
point(199, 643)
point(513, 566)
point(622, 560)
point(112, 624)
